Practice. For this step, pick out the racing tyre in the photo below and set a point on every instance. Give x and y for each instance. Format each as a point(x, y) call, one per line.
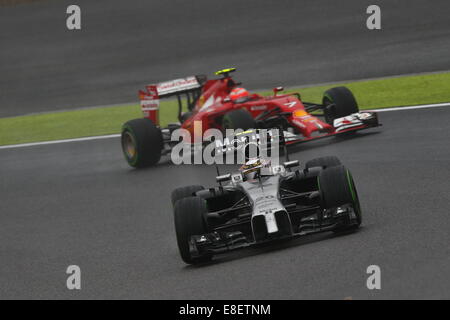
point(184, 192)
point(337, 188)
point(324, 162)
point(339, 102)
point(142, 143)
point(189, 221)
point(238, 119)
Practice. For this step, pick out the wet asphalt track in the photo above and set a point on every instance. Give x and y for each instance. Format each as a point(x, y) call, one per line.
point(79, 203)
point(126, 44)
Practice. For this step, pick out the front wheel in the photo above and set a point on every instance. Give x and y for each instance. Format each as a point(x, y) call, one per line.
point(337, 188)
point(338, 102)
point(184, 192)
point(190, 220)
point(142, 143)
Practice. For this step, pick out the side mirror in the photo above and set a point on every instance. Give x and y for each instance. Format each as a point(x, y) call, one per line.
point(290, 164)
point(223, 178)
point(276, 90)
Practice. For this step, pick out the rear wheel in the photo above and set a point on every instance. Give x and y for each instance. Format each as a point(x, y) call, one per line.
point(184, 192)
point(337, 188)
point(238, 119)
point(324, 162)
point(190, 220)
point(142, 143)
point(339, 102)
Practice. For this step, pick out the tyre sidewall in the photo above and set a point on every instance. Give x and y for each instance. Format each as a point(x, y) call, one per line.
point(148, 142)
point(190, 219)
point(337, 188)
point(184, 192)
point(339, 102)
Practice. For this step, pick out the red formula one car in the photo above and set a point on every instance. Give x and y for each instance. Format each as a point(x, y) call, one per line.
point(222, 104)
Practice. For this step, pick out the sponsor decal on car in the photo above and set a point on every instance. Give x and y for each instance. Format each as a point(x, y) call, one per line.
point(290, 104)
point(177, 85)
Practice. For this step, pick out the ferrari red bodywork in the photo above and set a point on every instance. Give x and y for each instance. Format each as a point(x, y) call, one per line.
point(208, 102)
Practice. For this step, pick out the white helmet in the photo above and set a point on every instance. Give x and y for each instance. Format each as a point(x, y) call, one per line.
point(252, 168)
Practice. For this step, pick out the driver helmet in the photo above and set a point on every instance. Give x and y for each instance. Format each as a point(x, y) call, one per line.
point(252, 168)
point(239, 95)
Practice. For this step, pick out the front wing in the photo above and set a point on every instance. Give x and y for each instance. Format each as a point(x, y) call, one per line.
point(354, 122)
point(221, 241)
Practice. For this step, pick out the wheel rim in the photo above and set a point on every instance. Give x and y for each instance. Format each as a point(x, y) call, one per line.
point(129, 145)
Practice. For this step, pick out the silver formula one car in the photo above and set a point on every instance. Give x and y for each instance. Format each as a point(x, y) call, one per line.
point(262, 203)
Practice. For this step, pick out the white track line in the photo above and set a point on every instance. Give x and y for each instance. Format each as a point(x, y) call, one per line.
point(12, 146)
point(58, 141)
point(423, 106)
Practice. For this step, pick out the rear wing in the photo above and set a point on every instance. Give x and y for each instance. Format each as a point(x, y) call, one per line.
point(189, 86)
